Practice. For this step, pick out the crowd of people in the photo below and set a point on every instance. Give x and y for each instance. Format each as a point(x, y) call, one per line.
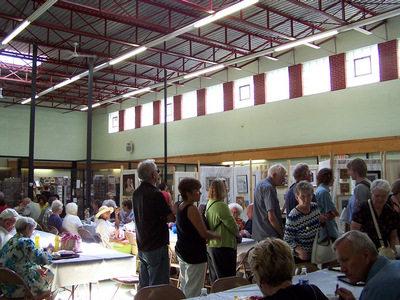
point(208, 233)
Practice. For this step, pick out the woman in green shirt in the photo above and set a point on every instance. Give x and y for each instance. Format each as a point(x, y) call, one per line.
point(221, 254)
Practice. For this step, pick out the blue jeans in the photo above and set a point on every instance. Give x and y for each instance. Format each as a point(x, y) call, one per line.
point(154, 267)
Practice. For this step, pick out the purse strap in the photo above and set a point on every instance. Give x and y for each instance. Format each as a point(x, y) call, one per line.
point(375, 223)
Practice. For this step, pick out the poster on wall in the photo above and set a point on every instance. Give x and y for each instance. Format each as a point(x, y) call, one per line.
point(111, 184)
point(127, 185)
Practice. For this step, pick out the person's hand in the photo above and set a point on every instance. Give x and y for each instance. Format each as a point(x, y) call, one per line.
point(117, 210)
point(50, 248)
point(238, 238)
point(128, 220)
point(345, 294)
point(41, 271)
point(302, 254)
point(322, 219)
point(218, 237)
point(244, 233)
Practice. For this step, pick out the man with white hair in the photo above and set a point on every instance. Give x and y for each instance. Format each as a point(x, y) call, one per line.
point(28, 208)
point(267, 217)
point(151, 213)
point(7, 221)
point(360, 261)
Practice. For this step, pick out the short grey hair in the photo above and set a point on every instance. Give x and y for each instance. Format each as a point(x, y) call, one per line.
point(145, 170)
point(236, 205)
point(56, 206)
point(71, 208)
point(276, 169)
point(380, 184)
point(360, 242)
point(23, 222)
point(299, 171)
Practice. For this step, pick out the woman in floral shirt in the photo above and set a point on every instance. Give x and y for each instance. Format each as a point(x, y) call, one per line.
point(22, 256)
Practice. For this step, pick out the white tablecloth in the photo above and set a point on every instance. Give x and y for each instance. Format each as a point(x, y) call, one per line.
point(326, 281)
point(94, 263)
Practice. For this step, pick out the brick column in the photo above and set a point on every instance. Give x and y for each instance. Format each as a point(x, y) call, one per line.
point(296, 81)
point(201, 102)
point(156, 112)
point(260, 88)
point(388, 62)
point(121, 119)
point(138, 116)
point(228, 96)
point(337, 65)
point(177, 107)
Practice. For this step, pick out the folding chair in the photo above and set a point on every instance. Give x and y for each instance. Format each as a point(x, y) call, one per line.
point(10, 277)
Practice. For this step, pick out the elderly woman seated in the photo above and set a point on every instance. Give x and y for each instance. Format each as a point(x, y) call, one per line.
point(54, 219)
point(105, 229)
point(236, 211)
point(21, 255)
point(71, 221)
point(273, 266)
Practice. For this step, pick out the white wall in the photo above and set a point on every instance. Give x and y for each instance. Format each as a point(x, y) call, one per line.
point(355, 113)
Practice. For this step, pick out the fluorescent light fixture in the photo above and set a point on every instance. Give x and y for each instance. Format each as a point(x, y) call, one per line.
point(223, 13)
point(84, 108)
point(312, 46)
point(27, 100)
point(75, 78)
point(136, 92)
point(306, 40)
point(127, 55)
point(96, 104)
point(62, 83)
point(15, 32)
point(100, 67)
point(36, 14)
point(210, 69)
point(362, 30)
point(271, 57)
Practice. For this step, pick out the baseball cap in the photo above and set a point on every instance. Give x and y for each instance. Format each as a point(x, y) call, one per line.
point(8, 213)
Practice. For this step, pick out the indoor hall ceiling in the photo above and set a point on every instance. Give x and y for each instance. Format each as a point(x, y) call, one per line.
point(108, 29)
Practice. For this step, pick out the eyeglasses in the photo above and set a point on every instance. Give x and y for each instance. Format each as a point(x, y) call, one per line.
point(158, 171)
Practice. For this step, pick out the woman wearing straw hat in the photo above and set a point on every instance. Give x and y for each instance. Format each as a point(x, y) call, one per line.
point(104, 228)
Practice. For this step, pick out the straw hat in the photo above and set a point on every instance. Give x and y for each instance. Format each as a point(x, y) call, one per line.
point(104, 209)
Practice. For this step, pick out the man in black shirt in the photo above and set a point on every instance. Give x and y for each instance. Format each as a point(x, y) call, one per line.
point(151, 215)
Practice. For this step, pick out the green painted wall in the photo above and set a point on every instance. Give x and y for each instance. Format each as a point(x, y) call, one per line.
point(58, 136)
point(355, 113)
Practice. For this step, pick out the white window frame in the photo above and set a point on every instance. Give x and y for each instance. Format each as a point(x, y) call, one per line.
point(243, 92)
point(189, 105)
point(113, 122)
point(278, 85)
point(130, 117)
point(215, 99)
point(147, 114)
point(353, 57)
point(316, 76)
point(170, 110)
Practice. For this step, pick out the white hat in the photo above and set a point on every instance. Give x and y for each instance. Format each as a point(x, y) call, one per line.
point(104, 209)
point(8, 213)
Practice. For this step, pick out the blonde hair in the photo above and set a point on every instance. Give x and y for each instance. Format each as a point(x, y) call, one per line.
point(272, 261)
point(217, 189)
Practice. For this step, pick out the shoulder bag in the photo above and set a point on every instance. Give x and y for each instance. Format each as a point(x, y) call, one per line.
point(322, 252)
point(204, 217)
point(383, 251)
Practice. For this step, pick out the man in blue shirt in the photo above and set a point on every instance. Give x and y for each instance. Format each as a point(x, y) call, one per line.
point(360, 261)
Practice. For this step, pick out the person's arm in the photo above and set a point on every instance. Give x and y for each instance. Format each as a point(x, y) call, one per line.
point(275, 223)
point(355, 226)
point(197, 221)
point(345, 294)
point(171, 218)
point(393, 239)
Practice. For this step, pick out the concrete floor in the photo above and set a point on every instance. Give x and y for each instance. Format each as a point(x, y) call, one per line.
point(104, 291)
